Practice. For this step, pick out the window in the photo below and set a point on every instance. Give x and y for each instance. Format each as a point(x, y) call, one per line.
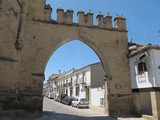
point(77, 91)
point(77, 79)
point(142, 67)
point(84, 77)
point(101, 101)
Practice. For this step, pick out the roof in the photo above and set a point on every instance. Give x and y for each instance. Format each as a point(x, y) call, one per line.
point(139, 48)
point(52, 77)
point(87, 66)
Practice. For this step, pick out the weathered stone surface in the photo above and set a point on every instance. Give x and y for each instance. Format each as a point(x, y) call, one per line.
point(29, 36)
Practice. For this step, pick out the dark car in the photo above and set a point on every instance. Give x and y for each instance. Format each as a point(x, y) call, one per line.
point(58, 99)
point(61, 97)
point(68, 100)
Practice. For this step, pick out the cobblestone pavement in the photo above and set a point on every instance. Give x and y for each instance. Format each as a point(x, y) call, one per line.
point(57, 111)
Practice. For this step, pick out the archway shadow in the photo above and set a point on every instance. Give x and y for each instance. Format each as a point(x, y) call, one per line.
point(61, 116)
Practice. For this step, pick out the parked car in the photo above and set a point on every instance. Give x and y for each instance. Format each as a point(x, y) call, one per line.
point(68, 100)
point(55, 98)
point(51, 95)
point(80, 102)
point(60, 97)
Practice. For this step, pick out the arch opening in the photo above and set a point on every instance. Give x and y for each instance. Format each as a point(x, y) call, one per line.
point(73, 44)
point(75, 69)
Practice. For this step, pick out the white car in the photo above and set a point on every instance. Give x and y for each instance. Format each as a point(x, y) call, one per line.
point(80, 102)
point(51, 95)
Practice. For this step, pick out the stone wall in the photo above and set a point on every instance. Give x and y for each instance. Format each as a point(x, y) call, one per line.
point(27, 41)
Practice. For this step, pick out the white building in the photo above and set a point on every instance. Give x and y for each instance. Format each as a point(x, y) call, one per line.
point(51, 85)
point(68, 82)
point(88, 82)
point(145, 76)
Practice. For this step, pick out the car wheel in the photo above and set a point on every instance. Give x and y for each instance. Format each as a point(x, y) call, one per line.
point(77, 106)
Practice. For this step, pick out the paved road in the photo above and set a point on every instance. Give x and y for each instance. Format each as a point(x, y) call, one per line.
point(57, 111)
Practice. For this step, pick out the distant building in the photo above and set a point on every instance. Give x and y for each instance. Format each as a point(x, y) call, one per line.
point(145, 76)
point(68, 82)
point(60, 83)
point(52, 85)
point(88, 82)
point(64, 83)
point(45, 89)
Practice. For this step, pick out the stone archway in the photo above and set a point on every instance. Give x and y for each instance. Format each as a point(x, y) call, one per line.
point(38, 37)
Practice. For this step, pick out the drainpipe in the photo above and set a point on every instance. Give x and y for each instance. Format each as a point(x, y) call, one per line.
point(107, 78)
point(105, 95)
point(22, 25)
point(0, 5)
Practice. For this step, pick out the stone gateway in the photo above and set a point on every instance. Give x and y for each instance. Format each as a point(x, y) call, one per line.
point(28, 37)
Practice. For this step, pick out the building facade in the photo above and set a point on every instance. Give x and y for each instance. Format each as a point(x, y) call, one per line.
point(51, 86)
point(145, 78)
point(86, 82)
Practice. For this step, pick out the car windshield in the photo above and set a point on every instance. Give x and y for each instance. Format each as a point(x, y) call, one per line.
point(83, 99)
point(66, 97)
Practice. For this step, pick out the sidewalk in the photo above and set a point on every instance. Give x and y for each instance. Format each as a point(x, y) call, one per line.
point(132, 118)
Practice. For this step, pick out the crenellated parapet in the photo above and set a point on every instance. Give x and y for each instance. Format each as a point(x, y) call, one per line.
point(47, 12)
point(64, 17)
point(85, 19)
point(120, 22)
point(103, 22)
point(38, 10)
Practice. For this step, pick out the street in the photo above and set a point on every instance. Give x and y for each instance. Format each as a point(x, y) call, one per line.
point(53, 110)
point(57, 111)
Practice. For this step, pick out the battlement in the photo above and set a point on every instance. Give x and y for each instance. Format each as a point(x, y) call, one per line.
point(104, 22)
point(120, 22)
point(87, 19)
point(47, 12)
point(39, 11)
point(64, 17)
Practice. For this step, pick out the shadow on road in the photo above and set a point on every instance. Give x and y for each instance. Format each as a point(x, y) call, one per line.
point(60, 116)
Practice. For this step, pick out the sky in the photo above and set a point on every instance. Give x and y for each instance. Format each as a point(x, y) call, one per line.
point(143, 25)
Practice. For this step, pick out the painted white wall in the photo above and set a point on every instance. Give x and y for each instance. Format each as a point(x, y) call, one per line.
point(156, 64)
point(96, 95)
point(74, 92)
point(73, 84)
point(68, 93)
point(139, 81)
point(151, 78)
point(88, 77)
point(79, 73)
point(82, 92)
